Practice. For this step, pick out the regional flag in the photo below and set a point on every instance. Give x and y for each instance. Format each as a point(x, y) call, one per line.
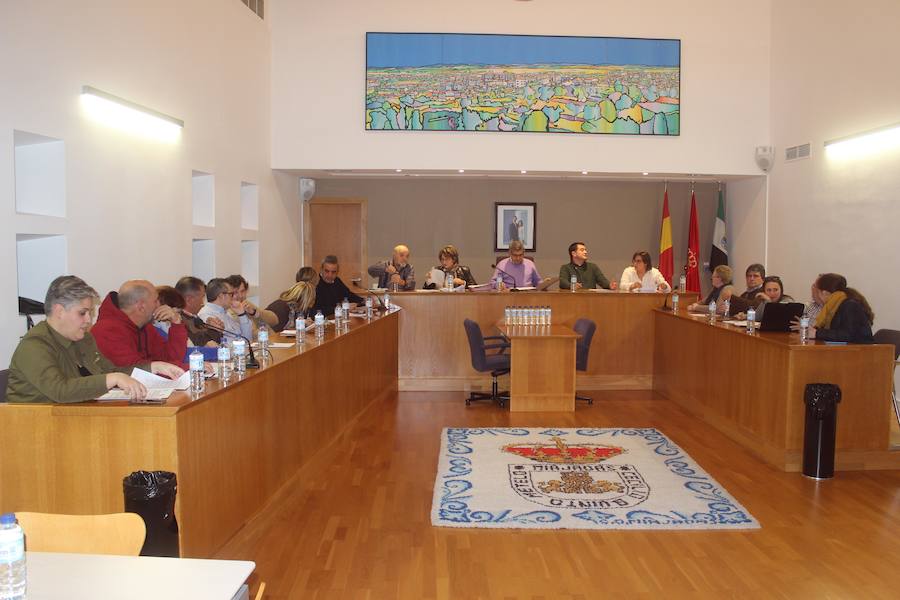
point(718, 255)
point(692, 267)
point(666, 265)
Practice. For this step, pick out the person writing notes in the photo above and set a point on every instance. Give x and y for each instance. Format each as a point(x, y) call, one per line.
point(642, 275)
point(845, 316)
point(449, 259)
point(587, 275)
point(395, 273)
point(515, 271)
point(58, 359)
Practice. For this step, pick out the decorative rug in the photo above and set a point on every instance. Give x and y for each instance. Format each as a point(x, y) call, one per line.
point(533, 478)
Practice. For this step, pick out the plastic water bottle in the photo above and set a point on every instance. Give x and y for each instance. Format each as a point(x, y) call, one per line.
point(751, 318)
point(12, 558)
point(387, 301)
point(675, 302)
point(573, 281)
point(448, 281)
point(498, 283)
point(682, 284)
point(345, 306)
point(300, 328)
point(198, 381)
point(262, 336)
point(712, 312)
point(549, 315)
point(239, 348)
point(338, 316)
point(369, 307)
point(223, 356)
point(319, 322)
point(507, 315)
point(726, 306)
point(804, 329)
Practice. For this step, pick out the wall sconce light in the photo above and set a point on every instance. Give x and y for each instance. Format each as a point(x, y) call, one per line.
point(129, 116)
point(864, 144)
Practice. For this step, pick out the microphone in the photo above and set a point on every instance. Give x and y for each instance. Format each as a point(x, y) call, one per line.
point(513, 287)
point(252, 363)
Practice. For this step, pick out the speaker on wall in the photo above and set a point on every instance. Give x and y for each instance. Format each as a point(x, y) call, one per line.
point(765, 157)
point(307, 189)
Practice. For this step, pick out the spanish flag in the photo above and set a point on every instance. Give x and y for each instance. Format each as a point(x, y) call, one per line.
point(666, 266)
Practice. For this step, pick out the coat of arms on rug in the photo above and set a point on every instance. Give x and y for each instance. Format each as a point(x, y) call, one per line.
point(574, 476)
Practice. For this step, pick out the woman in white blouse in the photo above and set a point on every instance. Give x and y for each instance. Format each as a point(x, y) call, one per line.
point(642, 275)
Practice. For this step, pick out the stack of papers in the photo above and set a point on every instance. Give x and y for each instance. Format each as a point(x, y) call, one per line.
point(158, 388)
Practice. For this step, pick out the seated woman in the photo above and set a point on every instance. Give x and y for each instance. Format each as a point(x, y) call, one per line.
point(773, 292)
point(721, 276)
point(845, 316)
point(296, 301)
point(58, 360)
point(642, 275)
point(449, 257)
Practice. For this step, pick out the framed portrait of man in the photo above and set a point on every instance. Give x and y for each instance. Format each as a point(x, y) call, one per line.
point(515, 222)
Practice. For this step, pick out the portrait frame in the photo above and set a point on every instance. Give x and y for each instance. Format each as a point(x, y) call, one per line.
point(515, 220)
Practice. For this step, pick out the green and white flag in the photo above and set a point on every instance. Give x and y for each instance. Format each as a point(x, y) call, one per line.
point(719, 253)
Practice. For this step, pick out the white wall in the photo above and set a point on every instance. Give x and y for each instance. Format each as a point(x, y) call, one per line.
point(833, 77)
point(318, 83)
point(128, 199)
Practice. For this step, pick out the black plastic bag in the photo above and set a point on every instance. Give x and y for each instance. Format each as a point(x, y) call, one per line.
point(151, 494)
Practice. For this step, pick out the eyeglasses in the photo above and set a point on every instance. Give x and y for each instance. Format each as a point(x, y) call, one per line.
point(228, 293)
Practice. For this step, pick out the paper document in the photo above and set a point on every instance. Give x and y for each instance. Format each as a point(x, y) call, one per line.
point(437, 277)
point(116, 394)
point(526, 288)
point(155, 382)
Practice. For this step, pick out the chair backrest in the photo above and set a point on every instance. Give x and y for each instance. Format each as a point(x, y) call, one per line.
point(4, 380)
point(118, 533)
point(889, 336)
point(585, 328)
point(476, 345)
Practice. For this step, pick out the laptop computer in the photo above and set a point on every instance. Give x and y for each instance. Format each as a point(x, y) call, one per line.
point(778, 317)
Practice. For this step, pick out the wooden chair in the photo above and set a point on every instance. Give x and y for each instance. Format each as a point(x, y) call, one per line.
point(118, 533)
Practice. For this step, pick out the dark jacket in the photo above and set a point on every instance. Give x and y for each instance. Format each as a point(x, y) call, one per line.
point(588, 275)
point(849, 324)
point(713, 295)
point(751, 296)
point(123, 343)
point(458, 272)
point(328, 295)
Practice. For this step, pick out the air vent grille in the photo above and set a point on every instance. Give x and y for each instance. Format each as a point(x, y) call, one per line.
point(257, 6)
point(797, 152)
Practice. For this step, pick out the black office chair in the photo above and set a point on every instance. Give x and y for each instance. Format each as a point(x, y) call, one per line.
point(891, 336)
point(496, 364)
point(4, 379)
point(585, 328)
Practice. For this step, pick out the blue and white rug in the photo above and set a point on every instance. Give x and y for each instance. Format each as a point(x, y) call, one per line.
point(531, 478)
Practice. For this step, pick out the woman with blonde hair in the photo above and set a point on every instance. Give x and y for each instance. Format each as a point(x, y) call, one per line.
point(296, 301)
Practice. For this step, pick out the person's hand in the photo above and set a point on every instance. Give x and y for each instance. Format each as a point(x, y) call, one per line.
point(395, 278)
point(390, 269)
point(167, 313)
point(578, 286)
point(614, 285)
point(428, 277)
point(216, 322)
point(237, 306)
point(458, 282)
point(634, 286)
point(663, 288)
point(211, 344)
point(811, 332)
point(761, 296)
point(134, 388)
point(158, 367)
point(208, 368)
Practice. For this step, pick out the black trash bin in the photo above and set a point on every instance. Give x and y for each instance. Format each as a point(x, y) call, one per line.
point(151, 494)
point(820, 430)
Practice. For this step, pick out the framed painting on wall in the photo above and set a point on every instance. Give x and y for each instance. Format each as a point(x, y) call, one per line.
point(515, 222)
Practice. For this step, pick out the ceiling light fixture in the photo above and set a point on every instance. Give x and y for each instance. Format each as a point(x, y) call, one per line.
point(865, 143)
point(129, 116)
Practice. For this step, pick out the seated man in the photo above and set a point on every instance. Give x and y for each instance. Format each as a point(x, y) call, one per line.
point(331, 290)
point(124, 330)
point(58, 360)
point(755, 275)
point(397, 270)
point(257, 316)
point(515, 271)
point(193, 290)
point(220, 297)
point(587, 274)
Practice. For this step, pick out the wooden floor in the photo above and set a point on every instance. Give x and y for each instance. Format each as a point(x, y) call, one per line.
point(358, 524)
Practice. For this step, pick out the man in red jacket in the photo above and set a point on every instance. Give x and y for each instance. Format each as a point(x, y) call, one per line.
point(124, 330)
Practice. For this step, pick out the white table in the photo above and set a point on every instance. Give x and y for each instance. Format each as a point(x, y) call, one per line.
point(98, 576)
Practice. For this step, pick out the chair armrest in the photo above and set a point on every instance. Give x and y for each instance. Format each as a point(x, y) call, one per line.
point(495, 337)
point(493, 346)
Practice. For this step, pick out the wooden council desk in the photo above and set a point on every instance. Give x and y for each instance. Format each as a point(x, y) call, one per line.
point(542, 370)
point(232, 448)
point(751, 388)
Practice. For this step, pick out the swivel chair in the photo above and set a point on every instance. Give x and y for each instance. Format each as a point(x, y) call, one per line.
point(496, 363)
point(585, 328)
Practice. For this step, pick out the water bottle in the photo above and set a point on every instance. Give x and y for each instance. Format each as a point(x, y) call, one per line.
point(338, 316)
point(387, 301)
point(498, 283)
point(804, 329)
point(682, 284)
point(239, 348)
point(726, 306)
point(448, 281)
point(549, 315)
point(223, 355)
point(712, 312)
point(369, 307)
point(319, 322)
point(751, 318)
point(262, 336)
point(345, 306)
point(573, 281)
point(675, 302)
point(507, 315)
point(198, 381)
point(300, 328)
point(12, 559)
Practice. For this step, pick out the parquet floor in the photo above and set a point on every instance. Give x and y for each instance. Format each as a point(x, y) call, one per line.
point(358, 525)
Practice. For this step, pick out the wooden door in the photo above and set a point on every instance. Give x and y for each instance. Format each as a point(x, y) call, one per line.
point(337, 226)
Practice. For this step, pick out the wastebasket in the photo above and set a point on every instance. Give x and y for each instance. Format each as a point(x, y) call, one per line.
point(151, 494)
point(820, 429)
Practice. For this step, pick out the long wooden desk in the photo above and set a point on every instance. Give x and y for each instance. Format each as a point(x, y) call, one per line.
point(542, 370)
point(232, 448)
point(751, 388)
point(435, 352)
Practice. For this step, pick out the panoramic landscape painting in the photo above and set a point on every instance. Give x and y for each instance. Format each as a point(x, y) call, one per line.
point(551, 84)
